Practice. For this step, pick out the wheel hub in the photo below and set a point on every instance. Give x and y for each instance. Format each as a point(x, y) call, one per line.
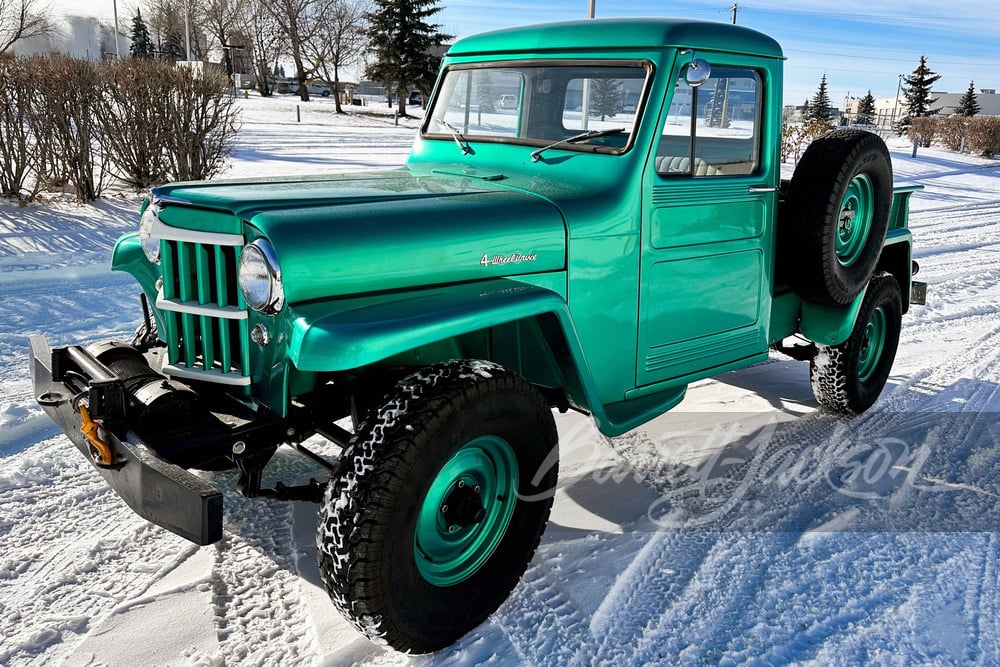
point(464, 506)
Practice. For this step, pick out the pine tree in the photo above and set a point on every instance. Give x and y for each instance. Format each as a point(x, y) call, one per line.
point(142, 45)
point(173, 49)
point(605, 97)
point(820, 108)
point(402, 41)
point(918, 90)
point(968, 105)
point(866, 110)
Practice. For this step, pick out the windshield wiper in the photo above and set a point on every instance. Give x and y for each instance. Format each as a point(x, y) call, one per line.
point(462, 142)
point(583, 136)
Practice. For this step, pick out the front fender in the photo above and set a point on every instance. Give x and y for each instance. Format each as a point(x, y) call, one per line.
point(343, 334)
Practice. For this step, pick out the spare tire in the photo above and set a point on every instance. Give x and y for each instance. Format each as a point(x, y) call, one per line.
point(835, 216)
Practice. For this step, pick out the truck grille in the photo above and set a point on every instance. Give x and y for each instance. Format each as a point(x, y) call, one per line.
point(203, 311)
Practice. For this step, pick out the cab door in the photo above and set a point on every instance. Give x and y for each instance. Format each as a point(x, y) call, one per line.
point(710, 198)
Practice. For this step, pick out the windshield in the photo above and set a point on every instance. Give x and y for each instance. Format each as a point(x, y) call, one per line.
point(541, 103)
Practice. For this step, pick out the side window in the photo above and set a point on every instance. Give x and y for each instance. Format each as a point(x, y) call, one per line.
point(713, 130)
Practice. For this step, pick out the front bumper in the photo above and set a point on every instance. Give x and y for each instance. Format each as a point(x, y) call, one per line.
point(157, 490)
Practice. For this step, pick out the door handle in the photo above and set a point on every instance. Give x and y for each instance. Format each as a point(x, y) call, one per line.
point(756, 189)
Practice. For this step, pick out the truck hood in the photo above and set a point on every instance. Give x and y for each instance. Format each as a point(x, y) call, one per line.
point(375, 231)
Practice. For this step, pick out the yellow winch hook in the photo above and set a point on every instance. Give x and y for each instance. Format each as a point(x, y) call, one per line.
point(100, 450)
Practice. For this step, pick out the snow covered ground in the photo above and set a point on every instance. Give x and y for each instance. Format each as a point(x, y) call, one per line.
point(744, 527)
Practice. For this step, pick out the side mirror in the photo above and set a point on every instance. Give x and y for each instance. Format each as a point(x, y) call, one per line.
point(697, 72)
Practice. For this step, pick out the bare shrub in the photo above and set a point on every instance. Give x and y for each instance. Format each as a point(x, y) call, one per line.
point(201, 123)
point(795, 138)
point(18, 146)
point(984, 135)
point(135, 135)
point(923, 127)
point(950, 130)
point(67, 98)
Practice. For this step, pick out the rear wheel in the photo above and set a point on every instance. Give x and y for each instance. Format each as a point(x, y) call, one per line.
point(849, 377)
point(442, 498)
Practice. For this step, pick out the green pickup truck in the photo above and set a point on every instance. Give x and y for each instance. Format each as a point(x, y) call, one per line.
point(614, 230)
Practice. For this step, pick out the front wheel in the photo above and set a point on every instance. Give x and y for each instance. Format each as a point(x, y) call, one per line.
point(442, 498)
point(850, 376)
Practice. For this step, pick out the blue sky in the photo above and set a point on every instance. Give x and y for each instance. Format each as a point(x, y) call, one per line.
point(859, 45)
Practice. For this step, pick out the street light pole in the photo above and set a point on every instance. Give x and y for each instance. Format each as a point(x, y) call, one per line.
point(590, 9)
point(118, 51)
point(187, 30)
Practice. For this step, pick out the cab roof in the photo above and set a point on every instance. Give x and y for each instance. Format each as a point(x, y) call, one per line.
point(618, 33)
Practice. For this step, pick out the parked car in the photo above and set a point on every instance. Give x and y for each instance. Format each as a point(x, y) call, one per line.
point(507, 102)
point(415, 98)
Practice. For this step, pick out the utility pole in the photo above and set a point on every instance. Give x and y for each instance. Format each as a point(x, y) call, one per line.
point(733, 10)
point(590, 9)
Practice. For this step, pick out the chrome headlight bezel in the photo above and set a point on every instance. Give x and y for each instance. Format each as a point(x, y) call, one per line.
point(150, 244)
point(259, 278)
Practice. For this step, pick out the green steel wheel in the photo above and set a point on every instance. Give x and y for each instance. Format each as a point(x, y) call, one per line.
point(439, 504)
point(872, 344)
point(466, 511)
point(850, 376)
point(855, 223)
point(834, 217)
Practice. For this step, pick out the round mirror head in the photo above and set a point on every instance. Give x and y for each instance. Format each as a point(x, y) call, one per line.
point(698, 71)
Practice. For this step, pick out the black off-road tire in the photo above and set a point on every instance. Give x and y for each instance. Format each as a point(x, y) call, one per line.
point(368, 518)
point(812, 216)
point(843, 377)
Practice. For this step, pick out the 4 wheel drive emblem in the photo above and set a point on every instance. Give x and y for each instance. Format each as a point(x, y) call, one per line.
point(515, 258)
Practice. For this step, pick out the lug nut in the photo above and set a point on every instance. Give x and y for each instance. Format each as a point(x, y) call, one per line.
point(444, 509)
point(461, 484)
point(452, 528)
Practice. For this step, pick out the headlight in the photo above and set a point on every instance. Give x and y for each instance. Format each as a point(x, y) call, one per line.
point(150, 244)
point(260, 278)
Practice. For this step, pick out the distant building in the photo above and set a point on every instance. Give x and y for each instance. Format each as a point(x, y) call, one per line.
point(989, 102)
point(890, 109)
point(87, 37)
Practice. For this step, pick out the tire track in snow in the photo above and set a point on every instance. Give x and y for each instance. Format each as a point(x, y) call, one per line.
point(69, 557)
point(540, 619)
point(985, 630)
point(261, 617)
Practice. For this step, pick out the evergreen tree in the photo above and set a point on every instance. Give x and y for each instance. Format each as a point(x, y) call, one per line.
point(918, 90)
point(820, 108)
point(968, 105)
point(173, 49)
point(403, 41)
point(866, 110)
point(605, 97)
point(142, 45)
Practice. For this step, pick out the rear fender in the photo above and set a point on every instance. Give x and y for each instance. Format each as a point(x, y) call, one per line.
point(830, 325)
